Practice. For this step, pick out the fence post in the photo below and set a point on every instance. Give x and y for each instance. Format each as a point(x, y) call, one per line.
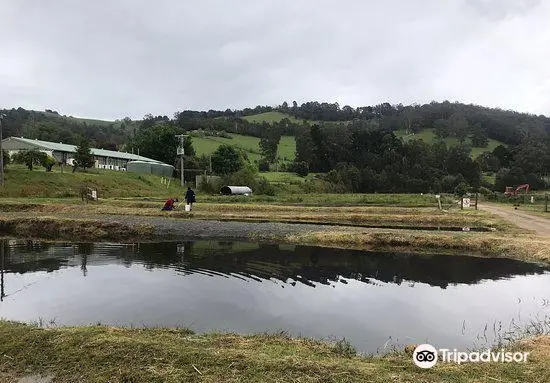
point(476, 199)
point(462, 203)
point(546, 203)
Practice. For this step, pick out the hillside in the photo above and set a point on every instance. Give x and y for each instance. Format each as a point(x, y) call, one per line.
point(50, 126)
point(429, 136)
point(208, 145)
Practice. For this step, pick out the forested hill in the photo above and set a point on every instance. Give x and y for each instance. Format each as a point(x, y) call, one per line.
point(381, 148)
point(49, 125)
point(444, 118)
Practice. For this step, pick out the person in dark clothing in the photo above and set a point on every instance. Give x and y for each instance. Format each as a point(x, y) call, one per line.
point(190, 197)
point(169, 205)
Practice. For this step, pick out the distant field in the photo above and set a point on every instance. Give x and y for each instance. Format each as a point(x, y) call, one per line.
point(270, 117)
point(208, 145)
point(283, 177)
point(428, 136)
point(287, 148)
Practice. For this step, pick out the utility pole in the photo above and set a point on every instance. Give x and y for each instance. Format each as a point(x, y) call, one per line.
point(1, 152)
point(181, 159)
point(181, 153)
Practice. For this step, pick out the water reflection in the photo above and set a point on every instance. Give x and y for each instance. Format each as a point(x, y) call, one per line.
point(366, 297)
point(286, 263)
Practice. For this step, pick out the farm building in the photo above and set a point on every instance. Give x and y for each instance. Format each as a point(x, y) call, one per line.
point(156, 168)
point(64, 153)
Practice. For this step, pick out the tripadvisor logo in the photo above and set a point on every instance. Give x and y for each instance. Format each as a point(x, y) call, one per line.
point(427, 356)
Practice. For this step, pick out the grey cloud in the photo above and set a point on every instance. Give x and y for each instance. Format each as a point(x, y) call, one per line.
point(499, 9)
point(108, 59)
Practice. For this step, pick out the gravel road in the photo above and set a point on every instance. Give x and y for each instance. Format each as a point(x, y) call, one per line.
point(189, 228)
point(524, 220)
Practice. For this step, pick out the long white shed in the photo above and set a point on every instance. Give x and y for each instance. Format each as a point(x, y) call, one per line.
point(236, 190)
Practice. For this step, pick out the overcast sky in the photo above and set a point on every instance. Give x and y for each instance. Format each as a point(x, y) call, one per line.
point(114, 58)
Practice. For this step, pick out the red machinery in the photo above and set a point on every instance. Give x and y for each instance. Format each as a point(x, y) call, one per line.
point(510, 191)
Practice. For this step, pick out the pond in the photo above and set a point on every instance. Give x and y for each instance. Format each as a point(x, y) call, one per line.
point(372, 299)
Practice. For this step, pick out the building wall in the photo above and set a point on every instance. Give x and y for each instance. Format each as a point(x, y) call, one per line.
point(13, 146)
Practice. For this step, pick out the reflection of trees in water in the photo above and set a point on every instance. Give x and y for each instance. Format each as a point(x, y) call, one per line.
point(308, 265)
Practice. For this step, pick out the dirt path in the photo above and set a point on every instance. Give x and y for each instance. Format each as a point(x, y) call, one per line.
point(524, 220)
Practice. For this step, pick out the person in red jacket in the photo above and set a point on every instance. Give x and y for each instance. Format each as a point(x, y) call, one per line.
point(169, 205)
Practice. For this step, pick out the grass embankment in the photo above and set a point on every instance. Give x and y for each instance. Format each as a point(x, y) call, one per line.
point(105, 354)
point(329, 199)
point(365, 216)
point(523, 247)
point(20, 182)
point(73, 229)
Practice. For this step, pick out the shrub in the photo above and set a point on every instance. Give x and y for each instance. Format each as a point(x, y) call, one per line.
point(30, 158)
point(264, 187)
point(263, 165)
point(301, 168)
point(461, 189)
point(485, 191)
point(344, 348)
point(48, 163)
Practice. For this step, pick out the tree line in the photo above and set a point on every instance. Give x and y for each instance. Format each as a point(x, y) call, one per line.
point(357, 148)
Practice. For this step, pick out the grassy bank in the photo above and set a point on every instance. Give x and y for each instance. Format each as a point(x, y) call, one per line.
point(367, 216)
point(522, 247)
point(72, 229)
point(102, 354)
point(20, 182)
point(329, 199)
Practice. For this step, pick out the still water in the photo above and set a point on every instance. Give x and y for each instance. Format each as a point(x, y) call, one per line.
point(372, 299)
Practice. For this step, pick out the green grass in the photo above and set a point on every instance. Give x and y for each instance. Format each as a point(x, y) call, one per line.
point(429, 137)
point(287, 148)
point(208, 145)
point(271, 117)
point(282, 177)
point(21, 182)
point(326, 199)
point(489, 177)
point(107, 354)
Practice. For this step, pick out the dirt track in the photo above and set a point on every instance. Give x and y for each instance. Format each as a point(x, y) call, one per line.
point(527, 221)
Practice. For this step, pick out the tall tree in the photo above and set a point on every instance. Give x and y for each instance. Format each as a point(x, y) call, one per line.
point(226, 160)
point(269, 143)
point(30, 158)
point(158, 141)
point(83, 157)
